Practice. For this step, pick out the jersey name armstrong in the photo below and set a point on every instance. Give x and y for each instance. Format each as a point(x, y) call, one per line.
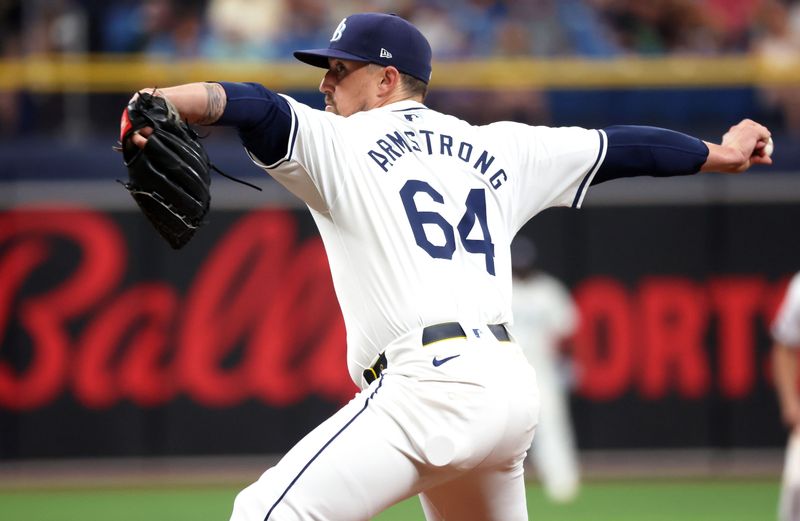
point(396, 145)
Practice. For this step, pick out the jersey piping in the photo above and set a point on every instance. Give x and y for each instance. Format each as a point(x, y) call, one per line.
point(587, 180)
point(290, 148)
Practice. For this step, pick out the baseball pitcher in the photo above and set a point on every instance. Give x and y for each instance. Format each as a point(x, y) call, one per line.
point(417, 210)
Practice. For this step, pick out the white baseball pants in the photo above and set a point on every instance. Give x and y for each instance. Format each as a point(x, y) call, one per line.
point(455, 432)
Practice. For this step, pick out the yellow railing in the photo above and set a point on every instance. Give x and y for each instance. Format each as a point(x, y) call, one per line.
point(107, 73)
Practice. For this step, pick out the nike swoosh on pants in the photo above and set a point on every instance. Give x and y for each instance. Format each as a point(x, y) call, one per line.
point(437, 362)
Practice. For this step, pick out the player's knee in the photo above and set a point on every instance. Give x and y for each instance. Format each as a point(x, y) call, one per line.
point(263, 501)
point(256, 502)
point(245, 506)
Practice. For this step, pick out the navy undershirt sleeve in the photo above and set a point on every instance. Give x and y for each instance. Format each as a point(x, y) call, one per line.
point(263, 119)
point(634, 151)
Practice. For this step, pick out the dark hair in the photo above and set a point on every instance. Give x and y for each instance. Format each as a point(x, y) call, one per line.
point(414, 86)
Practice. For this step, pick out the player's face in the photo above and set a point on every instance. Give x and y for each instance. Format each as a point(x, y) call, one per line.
point(350, 86)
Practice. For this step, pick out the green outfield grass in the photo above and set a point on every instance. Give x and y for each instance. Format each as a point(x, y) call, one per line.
point(646, 500)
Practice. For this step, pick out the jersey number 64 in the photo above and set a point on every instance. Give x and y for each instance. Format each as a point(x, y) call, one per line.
point(475, 211)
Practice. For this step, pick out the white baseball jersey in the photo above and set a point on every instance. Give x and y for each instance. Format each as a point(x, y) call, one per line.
point(431, 199)
point(786, 327)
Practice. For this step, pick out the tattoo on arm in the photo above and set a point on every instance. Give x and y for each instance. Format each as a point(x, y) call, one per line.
point(216, 103)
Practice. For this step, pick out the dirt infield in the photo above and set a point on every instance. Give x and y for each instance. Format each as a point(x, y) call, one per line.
point(212, 470)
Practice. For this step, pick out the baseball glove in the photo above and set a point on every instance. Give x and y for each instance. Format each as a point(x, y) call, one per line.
point(170, 177)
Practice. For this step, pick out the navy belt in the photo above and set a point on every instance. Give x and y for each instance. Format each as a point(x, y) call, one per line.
point(449, 330)
point(431, 334)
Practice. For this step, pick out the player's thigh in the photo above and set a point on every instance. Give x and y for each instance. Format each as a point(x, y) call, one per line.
point(480, 495)
point(351, 467)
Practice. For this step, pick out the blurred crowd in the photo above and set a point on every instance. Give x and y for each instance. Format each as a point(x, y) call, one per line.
point(270, 29)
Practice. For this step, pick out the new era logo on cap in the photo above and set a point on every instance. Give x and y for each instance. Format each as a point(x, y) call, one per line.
point(367, 37)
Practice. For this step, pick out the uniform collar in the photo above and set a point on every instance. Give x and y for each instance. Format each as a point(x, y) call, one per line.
point(399, 106)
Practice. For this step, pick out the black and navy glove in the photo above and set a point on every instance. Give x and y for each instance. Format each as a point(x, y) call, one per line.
point(170, 177)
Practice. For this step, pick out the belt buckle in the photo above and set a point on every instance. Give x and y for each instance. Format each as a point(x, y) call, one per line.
point(372, 373)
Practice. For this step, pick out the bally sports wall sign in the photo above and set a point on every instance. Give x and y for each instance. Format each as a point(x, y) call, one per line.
point(235, 344)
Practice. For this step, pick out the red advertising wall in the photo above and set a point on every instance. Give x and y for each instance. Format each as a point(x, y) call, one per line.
point(114, 344)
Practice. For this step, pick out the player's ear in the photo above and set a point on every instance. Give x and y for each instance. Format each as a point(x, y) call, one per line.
point(390, 80)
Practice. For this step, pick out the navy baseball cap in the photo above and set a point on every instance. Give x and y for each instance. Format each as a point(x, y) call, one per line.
point(385, 39)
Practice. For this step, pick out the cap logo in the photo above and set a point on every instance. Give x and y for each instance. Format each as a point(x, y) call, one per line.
point(337, 34)
point(385, 53)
